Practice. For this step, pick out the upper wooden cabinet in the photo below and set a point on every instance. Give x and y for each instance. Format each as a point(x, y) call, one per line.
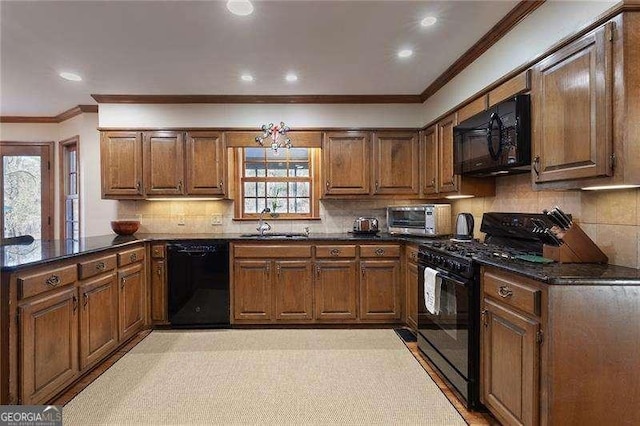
point(572, 110)
point(121, 160)
point(395, 163)
point(346, 158)
point(164, 163)
point(447, 181)
point(206, 161)
point(429, 160)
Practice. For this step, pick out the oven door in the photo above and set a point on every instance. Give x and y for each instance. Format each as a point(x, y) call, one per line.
point(411, 218)
point(448, 331)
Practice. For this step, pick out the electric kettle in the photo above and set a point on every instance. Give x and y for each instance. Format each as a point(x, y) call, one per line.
point(464, 227)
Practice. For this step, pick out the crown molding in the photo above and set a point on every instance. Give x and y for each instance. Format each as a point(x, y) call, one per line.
point(63, 116)
point(256, 99)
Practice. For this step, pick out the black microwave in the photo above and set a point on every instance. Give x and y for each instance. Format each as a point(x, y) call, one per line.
point(496, 141)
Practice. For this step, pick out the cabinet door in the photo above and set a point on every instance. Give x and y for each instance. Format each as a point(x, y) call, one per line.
point(131, 300)
point(252, 290)
point(48, 345)
point(572, 118)
point(336, 290)
point(430, 160)
point(412, 294)
point(379, 285)
point(447, 179)
point(395, 160)
point(510, 365)
point(159, 304)
point(98, 318)
point(205, 163)
point(294, 296)
point(121, 164)
point(346, 163)
point(164, 163)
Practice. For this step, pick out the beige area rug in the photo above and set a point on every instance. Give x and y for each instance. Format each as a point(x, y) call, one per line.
point(350, 377)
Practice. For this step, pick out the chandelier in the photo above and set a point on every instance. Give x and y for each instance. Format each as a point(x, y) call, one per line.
point(277, 134)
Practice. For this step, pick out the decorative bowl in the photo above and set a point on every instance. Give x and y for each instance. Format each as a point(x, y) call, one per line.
point(125, 227)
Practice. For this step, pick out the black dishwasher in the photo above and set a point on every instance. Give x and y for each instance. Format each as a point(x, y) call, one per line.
point(198, 284)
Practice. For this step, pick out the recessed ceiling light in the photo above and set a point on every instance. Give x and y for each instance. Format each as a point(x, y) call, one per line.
point(70, 76)
point(405, 53)
point(246, 77)
point(291, 77)
point(240, 7)
point(428, 21)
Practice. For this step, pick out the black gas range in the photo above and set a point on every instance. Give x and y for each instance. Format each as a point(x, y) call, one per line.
point(449, 332)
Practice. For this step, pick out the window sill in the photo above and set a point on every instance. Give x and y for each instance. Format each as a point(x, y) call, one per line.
point(268, 218)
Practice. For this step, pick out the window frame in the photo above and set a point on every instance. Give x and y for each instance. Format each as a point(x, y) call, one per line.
point(66, 146)
point(313, 179)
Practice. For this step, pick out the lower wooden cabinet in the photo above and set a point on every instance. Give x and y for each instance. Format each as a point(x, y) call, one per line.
point(98, 318)
point(159, 302)
point(293, 292)
point(131, 281)
point(411, 299)
point(336, 290)
point(379, 290)
point(48, 345)
point(252, 290)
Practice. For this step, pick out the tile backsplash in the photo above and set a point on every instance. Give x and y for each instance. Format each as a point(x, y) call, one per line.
point(610, 218)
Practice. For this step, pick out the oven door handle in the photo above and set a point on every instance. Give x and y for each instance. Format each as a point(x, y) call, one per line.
point(448, 277)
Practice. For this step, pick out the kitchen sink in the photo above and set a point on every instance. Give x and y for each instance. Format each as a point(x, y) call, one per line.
point(267, 235)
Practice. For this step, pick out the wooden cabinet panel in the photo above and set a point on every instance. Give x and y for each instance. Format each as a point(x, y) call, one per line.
point(411, 299)
point(206, 163)
point(98, 318)
point(159, 303)
point(48, 344)
point(131, 256)
point(429, 158)
point(131, 300)
point(91, 268)
point(395, 163)
point(294, 295)
point(510, 88)
point(336, 251)
point(472, 108)
point(121, 164)
point(380, 250)
point(572, 110)
point(379, 289)
point(158, 251)
point(510, 365)
point(514, 293)
point(164, 163)
point(32, 285)
point(346, 163)
point(270, 251)
point(252, 290)
point(336, 290)
point(447, 179)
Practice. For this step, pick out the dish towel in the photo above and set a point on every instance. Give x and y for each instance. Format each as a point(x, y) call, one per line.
point(432, 284)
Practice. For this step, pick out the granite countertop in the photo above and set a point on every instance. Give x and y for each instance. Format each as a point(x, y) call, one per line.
point(43, 252)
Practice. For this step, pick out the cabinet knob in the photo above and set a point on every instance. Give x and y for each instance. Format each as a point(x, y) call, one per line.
point(75, 303)
point(180, 185)
point(504, 291)
point(138, 186)
point(362, 270)
point(159, 270)
point(334, 252)
point(133, 257)
point(328, 184)
point(377, 185)
point(221, 184)
point(123, 281)
point(318, 271)
point(53, 281)
point(380, 252)
point(484, 318)
point(278, 269)
point(536, 165)
point(100, 266)
point(85, 300)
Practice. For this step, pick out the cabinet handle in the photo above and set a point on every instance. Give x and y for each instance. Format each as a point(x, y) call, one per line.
point(504, 291)
point(138, 186)
point(133, 257)
point(414, 256)
point(484, 318)
point(334, 252)
point(278, 269)
point(362, 269)
point(221, 184)
point(268, 269)
point(159, 270)
point(318, 271)
point(53, 281)
point(536, 165)
point(433, 182)
point(100, 266)
point(123, 281)
point(377, 185)
point(180, 185)
point(328, 184)
point(75, 303)
point(85, 300)
point(380, 252)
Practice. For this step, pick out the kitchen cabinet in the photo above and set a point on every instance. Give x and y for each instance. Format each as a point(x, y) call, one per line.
point(48, 344)
point(131, 300)
point(98, 318)
point(205, 163)
point(121, 164)
point(159, 289)
point(447, 179)
point(293, 291)
point(164, 163)
point(429, 159)
point(346, 160)
point(572, 110)
point(396, 163)
point(379, 289)
point(411, 286)
point(252, 290)
point(336, 289)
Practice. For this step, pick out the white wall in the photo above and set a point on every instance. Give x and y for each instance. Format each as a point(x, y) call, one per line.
point(254, 115)
point(551, 22)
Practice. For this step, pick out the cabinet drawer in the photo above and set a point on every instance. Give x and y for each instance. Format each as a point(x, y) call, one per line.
point(412, 254)
point(130, 256)
point(380, 251)
point(157, 251)
point(336, 251)
point(515, 294)
point(278, 251)
point(94, 267)
point(31, 285)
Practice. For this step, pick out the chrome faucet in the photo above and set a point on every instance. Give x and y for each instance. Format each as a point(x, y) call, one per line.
point(262, 225)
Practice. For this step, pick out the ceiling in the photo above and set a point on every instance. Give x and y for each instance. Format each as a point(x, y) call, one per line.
point(199, 47)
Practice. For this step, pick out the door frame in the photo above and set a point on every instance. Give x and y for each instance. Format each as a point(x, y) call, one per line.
point(62, 145)
point(48, 185)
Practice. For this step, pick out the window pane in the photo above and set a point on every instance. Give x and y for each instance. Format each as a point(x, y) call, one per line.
point(276, 189)
point(73, 184)
point(250, 189)
point(76, 209)
point(22, 196)
point(299, 154)
point(261, 188)
point(72, 161)
point(277, 169)
point(298, 169)
point(76, 231)
point(250, 205)
point(277, 205)
point(254, 154)
point(279, 155)
point(299, 205)
point(299, 189)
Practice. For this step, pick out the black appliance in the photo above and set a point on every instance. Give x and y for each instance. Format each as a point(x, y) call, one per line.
point(496, 141)
point(198, 275)
point(450, 338)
